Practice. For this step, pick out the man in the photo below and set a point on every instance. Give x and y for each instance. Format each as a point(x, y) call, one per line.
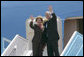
point(50, 33)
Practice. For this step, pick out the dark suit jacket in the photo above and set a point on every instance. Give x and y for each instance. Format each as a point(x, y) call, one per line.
point(50, 33)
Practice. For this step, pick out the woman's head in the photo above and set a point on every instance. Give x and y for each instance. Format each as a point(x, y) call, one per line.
point(39, 20)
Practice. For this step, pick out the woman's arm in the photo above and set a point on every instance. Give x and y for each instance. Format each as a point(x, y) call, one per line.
point(31, 23)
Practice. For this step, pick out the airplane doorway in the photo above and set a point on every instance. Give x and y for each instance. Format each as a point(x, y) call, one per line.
point(80, 26)
point(70, 25)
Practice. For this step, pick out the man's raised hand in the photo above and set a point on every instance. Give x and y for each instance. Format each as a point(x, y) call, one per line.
point(50, 8)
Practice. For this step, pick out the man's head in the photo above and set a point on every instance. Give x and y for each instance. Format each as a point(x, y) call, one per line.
point(47, 15)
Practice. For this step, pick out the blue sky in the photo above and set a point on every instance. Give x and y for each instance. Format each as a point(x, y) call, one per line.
point(15, 13)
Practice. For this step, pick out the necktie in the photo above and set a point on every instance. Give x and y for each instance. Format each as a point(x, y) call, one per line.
point(46, 24)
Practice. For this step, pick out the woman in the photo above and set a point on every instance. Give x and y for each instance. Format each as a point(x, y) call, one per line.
point(37, 39)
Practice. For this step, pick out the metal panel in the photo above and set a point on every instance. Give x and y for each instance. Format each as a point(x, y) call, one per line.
point(74, 46)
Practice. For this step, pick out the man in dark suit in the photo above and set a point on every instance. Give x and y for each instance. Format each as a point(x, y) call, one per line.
point(50, 33)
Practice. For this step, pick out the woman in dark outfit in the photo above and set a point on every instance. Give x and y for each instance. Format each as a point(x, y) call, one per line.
point(37, 39)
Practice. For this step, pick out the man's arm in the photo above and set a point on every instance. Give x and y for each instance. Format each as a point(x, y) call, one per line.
point(53, 16)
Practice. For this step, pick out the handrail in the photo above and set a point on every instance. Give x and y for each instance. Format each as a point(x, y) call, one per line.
point(8, 46)
point(13, 51)
point(12, 45)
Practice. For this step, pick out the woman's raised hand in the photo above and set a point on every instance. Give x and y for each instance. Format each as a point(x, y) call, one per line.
point(31, 17)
